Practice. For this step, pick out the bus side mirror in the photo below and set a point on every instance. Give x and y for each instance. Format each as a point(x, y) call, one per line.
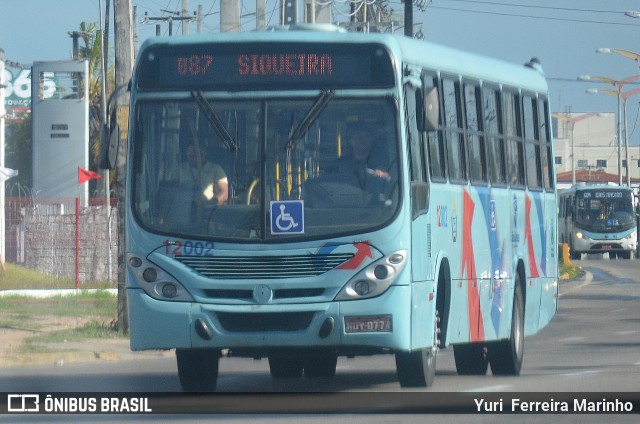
point(419, 198)
point(431, 110)
point(110, 135)
point(109, 144)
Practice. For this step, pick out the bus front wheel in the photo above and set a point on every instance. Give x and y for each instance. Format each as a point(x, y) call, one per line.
point(320, 363)
point(505, 357)
point(417, 368)
point(198, 369)
point(286, 364)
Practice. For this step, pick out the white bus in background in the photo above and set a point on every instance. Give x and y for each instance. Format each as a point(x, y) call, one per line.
point(598, 219)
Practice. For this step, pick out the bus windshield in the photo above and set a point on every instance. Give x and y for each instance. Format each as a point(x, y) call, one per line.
point(605, 209)
point(212, 168)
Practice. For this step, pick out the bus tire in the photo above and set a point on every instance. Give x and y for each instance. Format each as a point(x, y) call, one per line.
point(574, 255)
point(286, 364)
point(198, 369)
point(471, 359)
point(505, 357)
point(320, 363)
point(625, 255)
point(417, 368)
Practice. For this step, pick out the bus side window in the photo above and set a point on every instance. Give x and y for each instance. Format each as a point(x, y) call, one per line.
point(434, 139)
point(570, 201)
point(532, 146)
point(475, 136)
point(545, 144)
point(419, 187)
point(513, 132)
point(451, 98)
point(495, 140)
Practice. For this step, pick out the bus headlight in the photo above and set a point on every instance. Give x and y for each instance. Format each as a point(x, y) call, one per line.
point(375, 279)
point(579, 235)
point(632, 236)
point(155, 281)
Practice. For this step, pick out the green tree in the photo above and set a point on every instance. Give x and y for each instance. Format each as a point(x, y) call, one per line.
point(18, 153)
point(91, 50)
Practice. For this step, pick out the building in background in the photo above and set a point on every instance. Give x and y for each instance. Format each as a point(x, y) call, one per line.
point(60, 128)
point(592, 138)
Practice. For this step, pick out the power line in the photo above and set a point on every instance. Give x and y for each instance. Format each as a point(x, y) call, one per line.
point(549, 18)
point(568, 9)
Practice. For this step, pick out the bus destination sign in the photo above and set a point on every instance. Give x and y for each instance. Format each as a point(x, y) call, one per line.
point(264, 67)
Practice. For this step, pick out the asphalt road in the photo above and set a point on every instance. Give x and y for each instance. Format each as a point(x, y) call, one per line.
point(591, 348)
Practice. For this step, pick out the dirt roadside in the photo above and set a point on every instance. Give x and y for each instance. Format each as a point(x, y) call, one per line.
point(14, 351)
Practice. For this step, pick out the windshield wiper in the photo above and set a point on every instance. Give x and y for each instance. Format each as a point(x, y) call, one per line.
point(315, 110)
point(214, 119)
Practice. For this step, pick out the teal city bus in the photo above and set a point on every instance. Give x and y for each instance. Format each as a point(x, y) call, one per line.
point(598, 219)
point(300, 195)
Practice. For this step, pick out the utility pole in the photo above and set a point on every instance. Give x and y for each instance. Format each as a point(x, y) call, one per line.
point(103, 122)
point(229, 16)
point(408, 18)
point(261, 22)
point(105, 37)
point(136, 38)
point(184, 14)
point(170, 20)
point(75, 36)
point(289, 10)
point(124, 70)
point(199, 19)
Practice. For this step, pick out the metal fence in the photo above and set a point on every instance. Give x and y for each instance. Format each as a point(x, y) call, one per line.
point(61, 238)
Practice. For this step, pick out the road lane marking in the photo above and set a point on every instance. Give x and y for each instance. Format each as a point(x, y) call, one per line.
point(579, 373)
point(572, 339)
point(588, 277)
point(494, 388)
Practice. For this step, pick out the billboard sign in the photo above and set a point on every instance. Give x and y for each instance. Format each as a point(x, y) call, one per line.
point(18, 92)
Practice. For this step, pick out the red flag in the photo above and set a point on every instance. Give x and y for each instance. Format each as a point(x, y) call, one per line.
point(85, 175)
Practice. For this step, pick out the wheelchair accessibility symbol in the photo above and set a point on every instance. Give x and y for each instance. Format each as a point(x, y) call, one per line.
point(287, 217)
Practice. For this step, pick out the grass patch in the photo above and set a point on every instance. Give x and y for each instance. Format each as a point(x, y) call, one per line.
point(569, 272)
point(90, 330)
point(97, 304)
point(18, 278)
point(81, 316)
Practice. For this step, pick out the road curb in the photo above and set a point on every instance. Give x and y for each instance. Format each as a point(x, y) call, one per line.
point(575, 283)
point(43, 294)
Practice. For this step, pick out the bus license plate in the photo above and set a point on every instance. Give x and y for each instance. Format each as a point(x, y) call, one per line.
point(369, 324)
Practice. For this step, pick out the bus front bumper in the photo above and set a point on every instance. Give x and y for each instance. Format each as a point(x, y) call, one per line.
point(380, 322)
point(586, 244)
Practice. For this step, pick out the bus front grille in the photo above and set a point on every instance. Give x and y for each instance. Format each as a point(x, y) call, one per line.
point(263, 267)
point(240, 294)
point(260, 322)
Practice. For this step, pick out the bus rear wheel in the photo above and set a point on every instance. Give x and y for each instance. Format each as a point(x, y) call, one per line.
point(505, 357)
point(198, 369)
point(471, 359)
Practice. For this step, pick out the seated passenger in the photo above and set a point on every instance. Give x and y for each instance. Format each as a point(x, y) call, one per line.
point(360, 159)
point(207, 179)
